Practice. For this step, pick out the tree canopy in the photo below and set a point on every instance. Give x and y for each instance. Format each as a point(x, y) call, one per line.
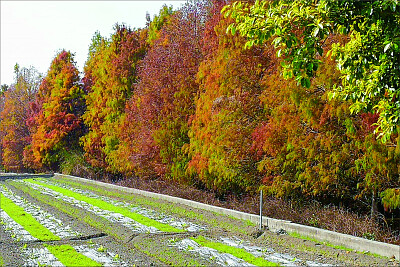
point(369, 62)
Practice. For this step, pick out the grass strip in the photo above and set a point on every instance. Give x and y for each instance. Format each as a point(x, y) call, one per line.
point(68, 256)
point(237, 252)
point(26, 220)
point(107, 206)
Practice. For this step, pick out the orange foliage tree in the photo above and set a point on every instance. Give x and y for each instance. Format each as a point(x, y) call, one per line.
point(228, 109)
point(110, 74)
point(56, 123)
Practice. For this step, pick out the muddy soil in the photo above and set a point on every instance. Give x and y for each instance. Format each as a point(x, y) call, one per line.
point(133, 248)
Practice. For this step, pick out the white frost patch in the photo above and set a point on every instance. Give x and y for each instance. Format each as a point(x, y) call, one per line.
point(284, 259)
point(224, 259)
point(162, 218)
point(237, 243)
point(108, 215)
point(40, 257)
point(18, 232)
point(315, 264)
point(46, 219)
point(106, 258)
point(268, 253)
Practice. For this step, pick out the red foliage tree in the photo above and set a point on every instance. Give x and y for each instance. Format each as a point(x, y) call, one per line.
point(14, 132)
point(156, 127)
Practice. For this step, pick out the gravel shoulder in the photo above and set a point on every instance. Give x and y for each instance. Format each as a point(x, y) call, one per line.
point(133, 247)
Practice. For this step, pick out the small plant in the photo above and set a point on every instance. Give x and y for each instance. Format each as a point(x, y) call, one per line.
point(314, 221)
point(370, 236)
point(101, 249)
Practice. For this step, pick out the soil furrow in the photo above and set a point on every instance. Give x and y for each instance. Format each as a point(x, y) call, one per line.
point(227, 241)
point(96, 238)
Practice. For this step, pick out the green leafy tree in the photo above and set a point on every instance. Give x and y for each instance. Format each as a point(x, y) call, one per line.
point(369, 61)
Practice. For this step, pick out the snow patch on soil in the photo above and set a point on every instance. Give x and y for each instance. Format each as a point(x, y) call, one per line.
point(106, 258)
point(267, 253)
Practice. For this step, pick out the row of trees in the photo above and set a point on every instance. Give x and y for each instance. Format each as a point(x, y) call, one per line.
point(187, 100)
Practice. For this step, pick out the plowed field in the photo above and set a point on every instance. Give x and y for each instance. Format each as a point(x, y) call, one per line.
point(60, 222)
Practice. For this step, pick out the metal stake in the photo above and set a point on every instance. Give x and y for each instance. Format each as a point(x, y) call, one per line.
point(261, 206)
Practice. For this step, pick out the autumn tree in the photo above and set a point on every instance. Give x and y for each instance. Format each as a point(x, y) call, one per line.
point(3, 89)
point(368, 62)
point(228, 109)
point(14, 132)
point(158, 22)
point(156, 128)
point(56, 123)
point(110, 74)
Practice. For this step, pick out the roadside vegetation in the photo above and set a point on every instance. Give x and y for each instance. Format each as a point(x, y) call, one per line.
point(243, 101)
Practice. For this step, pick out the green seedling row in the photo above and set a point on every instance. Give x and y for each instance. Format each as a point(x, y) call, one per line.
point(82, 215)
point(26, 220)
point(165, 208)
point(237, 252)
point(107, 206)
point(68, 256)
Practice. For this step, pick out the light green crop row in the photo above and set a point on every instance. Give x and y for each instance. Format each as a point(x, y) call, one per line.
point(237, 252)
point(165, 207)
point(68, 256)
point(26, 220)
point(107, 206)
